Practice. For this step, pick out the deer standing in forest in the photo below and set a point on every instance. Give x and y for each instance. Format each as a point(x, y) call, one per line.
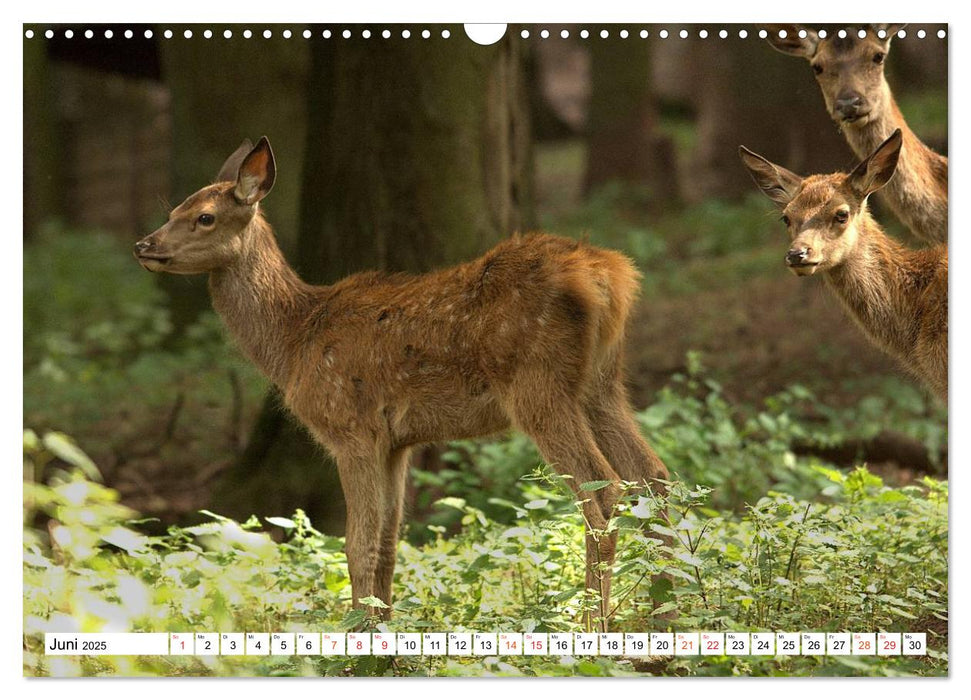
point(896, 295)
point(529, 335)
point(850, 72)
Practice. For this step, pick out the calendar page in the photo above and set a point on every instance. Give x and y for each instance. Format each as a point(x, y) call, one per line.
point(567, 349)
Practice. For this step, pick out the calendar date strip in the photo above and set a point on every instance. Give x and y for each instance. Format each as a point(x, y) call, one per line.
point(486, 644)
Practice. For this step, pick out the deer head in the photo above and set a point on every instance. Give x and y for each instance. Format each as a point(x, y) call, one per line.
point(825, 215)
point(207, 231)
point(849, 69)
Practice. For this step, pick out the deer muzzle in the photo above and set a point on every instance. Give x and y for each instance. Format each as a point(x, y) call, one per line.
point(147, 253)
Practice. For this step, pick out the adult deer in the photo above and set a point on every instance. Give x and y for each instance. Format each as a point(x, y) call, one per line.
point(896, 295)
point(529, 335)
point(850, 72)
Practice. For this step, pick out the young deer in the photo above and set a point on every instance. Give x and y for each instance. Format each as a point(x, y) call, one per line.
point(529, 335)
point(850, 72)
point(896, 295)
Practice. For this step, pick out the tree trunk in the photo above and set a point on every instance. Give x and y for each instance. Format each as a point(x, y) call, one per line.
point(623, 142)
point(748, 94)
point(417, 155)
point(43, 186)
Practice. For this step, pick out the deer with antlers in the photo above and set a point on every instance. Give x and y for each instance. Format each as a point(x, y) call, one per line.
point(530, 335)
point(896, 295)
point(850, 72)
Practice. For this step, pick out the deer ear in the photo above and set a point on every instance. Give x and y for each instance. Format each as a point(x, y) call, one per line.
point(231, 167)
point(792, 43)
point(256, 174)
point(877, 169)
point(777, 183)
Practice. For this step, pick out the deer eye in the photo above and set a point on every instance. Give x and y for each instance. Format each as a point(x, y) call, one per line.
point(206, 219)
point(817, 68)
point(842, 216)
point(785, 220)
point(878, 57)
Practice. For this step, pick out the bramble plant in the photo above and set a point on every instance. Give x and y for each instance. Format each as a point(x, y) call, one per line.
point(873, 558)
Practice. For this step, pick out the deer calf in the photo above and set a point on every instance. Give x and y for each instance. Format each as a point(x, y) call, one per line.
point(850, 72)
point(529, 335)
point(896, 295)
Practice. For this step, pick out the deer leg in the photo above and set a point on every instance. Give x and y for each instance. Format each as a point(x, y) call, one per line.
point(621, 442)
point(394, 499)
point(618, 437)
point(562, 433)
point(364, 484)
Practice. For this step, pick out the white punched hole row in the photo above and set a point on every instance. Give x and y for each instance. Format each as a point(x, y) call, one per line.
point(486, 38)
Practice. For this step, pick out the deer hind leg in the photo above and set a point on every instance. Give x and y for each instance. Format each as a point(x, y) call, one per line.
point(557, 424)
point(365, 486)
point(620, 440)
point(394, 498)
point(615, 430)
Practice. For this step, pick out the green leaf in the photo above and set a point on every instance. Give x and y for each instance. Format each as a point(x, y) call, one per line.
point(595, 485)
point(373, 601)
point(661, 589)
point(216, 516)
point(451, 502)
point(61, 446)
point(516, 532)
point(31, 441)
point(281, 522)
point(354, 619)
point(588, 668)
point(689, 559)
point(670, 606)
point(663, 530)
point(126, 539)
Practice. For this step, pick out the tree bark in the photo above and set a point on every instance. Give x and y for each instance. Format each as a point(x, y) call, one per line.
point(417, 155)
point(43, 185)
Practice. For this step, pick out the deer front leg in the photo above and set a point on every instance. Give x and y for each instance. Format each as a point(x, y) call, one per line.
point(364, 484)
point(393, 506)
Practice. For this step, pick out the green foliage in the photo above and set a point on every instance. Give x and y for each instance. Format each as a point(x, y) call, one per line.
point(892, 403)
point(98, 361)
point(483, 474)
point(873, 558)
point(743, 452)
point(926, 113)
point(86, 308)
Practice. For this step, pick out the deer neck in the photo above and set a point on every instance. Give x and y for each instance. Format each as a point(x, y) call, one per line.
point(883, 122)
point(917, 194)
point(869, 282)
point(262, 301)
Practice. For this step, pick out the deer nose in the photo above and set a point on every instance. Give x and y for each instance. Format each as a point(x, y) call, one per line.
point(797, 256)
point(849, 105)
point(143, 246)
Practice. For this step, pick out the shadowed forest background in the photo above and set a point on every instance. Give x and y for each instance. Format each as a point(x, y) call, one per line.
point(407, 155)
point(810, 472)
